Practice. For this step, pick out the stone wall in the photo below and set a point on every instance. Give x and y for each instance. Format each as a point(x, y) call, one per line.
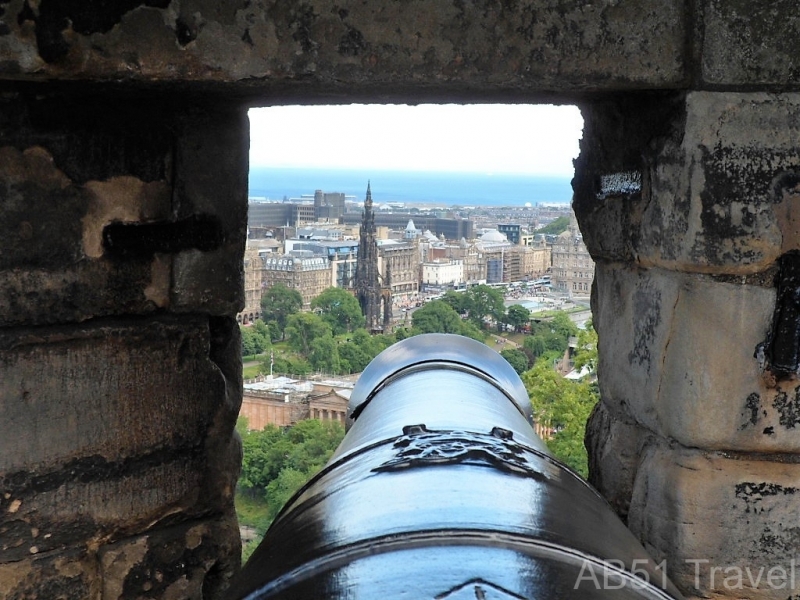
point(122, 216)
point(120, 362)
point(695, 440)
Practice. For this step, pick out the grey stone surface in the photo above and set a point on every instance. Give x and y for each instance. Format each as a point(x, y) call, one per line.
point(689, 345)
point(99, 396)
point(615, 447)
point(530, 45)
point(633, 319)
point(713, 518)
point(716, 199)
point(718, 173)
point(186, 561)
point(750, 43)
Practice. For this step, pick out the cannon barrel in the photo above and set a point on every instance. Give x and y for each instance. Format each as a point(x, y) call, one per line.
point(442, 490)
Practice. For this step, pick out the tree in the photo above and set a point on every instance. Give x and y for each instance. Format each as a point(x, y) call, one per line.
point(278, 303)
point(535, 345)
point(565, 406)
point(558, 225)
point(516, 358)
point(586, 351)
point(304, 328)
point(518, 316)
point(353, 358)
point(283, 487)
point(287, 363)
point(469, 330)
point(248, 343)
point(339, 309)
point(563, 326)
point(276, 462)
point(550, 336)
point(458, 301)
point(325, 354)
point(361, 348)
point(253, 339)
point(484, 301)
point(262, 329)
point(436, 317)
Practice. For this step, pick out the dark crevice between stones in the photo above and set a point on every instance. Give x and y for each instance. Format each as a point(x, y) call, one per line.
point(765, 278)
point(352, 43)
point(138, 240)
point(184, 32)
point(782, 347)
point(90, 469)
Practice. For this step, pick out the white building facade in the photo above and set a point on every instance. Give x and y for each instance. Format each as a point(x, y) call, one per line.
point(443, 273)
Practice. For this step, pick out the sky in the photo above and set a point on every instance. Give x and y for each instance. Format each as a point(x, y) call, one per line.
point(492, 138)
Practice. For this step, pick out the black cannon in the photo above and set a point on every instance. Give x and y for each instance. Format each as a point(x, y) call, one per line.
point(441, 490)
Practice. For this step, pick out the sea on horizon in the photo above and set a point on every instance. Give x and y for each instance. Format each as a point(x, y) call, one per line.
point(424, 187)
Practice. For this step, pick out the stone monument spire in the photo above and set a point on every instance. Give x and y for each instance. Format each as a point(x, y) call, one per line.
point(367, 284)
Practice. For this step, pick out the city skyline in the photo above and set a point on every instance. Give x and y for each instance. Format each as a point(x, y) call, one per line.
point(491, 139)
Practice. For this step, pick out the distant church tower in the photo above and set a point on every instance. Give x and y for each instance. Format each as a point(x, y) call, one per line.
point(368, 281)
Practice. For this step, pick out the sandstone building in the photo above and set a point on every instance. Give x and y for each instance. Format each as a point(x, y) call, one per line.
point(573, 267)
point(310, 276)
point(253, 267)
point(401, 261)
point(123, 179)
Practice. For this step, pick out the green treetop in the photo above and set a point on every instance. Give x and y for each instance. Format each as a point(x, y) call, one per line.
point(339, 309)
point(278, 303)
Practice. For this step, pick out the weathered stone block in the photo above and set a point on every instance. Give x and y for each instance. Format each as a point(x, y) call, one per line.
point(689, 345)
point(726, 528)
point(746, 43)
point(633, 319)
point(90, 500)
point(722, 202)
point(212, 161)
point(185, 219)
point(532, 45)
point(713, 175)
point(108, 443)
point(615, 449)
point(51, 265)
point(194, 560)
point(110, 390)
point(70, 574)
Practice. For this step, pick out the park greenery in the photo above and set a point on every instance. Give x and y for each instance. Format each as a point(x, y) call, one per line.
point(276, 462)
point(332, 339)
point(277, 303)
point(562, 404)
point(558, 225)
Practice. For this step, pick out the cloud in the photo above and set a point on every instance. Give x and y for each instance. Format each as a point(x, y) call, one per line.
point(490, 138)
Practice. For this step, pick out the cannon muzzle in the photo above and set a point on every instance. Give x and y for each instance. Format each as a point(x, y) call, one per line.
point(441, 490)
